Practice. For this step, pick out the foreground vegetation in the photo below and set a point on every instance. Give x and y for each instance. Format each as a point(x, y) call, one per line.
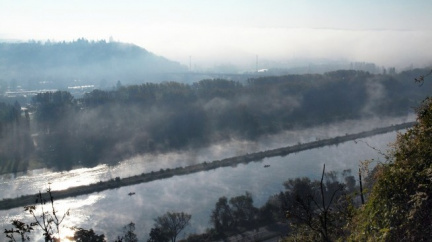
point(398, 206)
point(400, 203)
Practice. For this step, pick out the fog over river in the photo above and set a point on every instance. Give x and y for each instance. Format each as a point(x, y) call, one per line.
point(107, 212)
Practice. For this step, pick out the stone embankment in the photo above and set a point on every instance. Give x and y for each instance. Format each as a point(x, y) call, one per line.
point(167, 173)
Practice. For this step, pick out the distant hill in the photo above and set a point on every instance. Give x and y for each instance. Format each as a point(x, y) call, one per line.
point(61, 64)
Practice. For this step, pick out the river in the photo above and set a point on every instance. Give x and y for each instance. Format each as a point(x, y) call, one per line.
point(107, 212)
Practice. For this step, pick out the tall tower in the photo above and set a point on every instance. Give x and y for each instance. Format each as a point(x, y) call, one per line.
point(190, 63)
point(256, 67)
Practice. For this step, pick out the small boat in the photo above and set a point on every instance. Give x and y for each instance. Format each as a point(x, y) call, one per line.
point(266, 166)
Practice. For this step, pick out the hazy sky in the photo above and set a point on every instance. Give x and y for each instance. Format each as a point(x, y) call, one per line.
point(387, 32)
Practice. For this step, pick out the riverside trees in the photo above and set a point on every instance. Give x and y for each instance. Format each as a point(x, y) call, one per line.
point(16, 146)
point(107, 126)
point(128, 234)
point(238, 213)
point(169, 226)
point(317, 210)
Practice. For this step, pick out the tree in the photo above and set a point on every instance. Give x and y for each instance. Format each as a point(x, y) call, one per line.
point(243, 210)
point(238, 213)
point(172, 223)
point(157, 235)
point(222, 216)
point(51, 107)
point(128, 234)
point(46, 217)
point(317, 210)
point(83, 235)
point(20, 228)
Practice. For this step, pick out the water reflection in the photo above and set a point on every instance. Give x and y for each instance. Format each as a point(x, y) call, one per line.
point(107, 212)
point(39, 180)
point(14, 185)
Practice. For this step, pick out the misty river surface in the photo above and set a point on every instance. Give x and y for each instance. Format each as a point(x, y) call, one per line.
point(108, 211)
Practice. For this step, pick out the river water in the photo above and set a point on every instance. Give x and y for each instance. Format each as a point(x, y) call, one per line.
point(107, 212)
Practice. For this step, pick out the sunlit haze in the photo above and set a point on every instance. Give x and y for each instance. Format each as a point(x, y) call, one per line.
point(206, 33)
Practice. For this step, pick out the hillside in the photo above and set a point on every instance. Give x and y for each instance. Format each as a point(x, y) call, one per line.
point(399, 204)
point(37, 65)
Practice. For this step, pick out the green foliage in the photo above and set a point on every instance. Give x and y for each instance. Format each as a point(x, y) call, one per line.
point(400, 204)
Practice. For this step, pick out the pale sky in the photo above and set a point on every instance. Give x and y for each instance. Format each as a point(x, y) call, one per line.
point(387, 32)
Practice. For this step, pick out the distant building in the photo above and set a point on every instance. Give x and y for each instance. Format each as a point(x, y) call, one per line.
point(364, 66)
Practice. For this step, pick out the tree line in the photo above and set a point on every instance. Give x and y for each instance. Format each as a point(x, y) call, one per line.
point(61, 131)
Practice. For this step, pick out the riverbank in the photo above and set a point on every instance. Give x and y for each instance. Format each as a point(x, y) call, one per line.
point(167, 173)
point(10, 166)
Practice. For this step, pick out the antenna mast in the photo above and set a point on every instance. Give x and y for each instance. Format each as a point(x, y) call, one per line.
point(190, 63)
point(256, 64)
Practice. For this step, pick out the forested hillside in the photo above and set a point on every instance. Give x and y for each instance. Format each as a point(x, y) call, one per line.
point(108, 126)
point(37, 65)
